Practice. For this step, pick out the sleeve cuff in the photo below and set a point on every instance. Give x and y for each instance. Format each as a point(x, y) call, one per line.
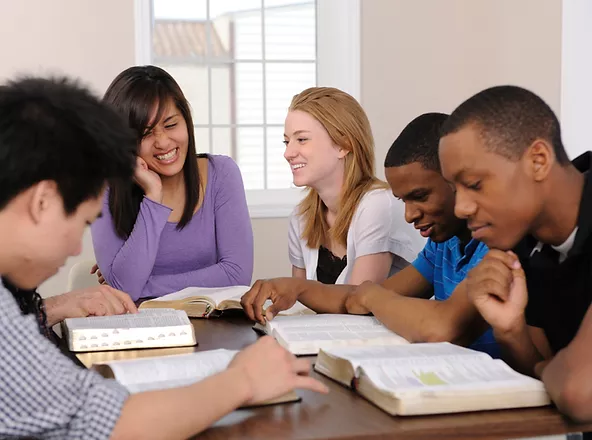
point(156, 205)
point(424, 268)
point(103, 407)
point(297, 262)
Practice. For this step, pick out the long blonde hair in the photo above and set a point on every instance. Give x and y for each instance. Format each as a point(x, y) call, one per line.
point(348, 127)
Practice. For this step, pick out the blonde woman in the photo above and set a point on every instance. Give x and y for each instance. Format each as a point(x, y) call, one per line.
point(349, 228)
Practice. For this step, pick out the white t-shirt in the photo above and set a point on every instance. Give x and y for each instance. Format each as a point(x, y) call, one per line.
point(563, 249)
point(378, 225)
point(566, 246)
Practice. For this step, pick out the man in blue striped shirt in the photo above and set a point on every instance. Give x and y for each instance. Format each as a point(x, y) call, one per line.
point(402, 301)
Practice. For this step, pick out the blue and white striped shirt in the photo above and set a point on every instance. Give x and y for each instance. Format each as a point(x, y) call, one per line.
point(42, 393)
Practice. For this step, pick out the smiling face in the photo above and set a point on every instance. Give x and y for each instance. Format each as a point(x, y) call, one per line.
point(164, 146)
point(428, 198)
point(497, 196)
point(313, 157)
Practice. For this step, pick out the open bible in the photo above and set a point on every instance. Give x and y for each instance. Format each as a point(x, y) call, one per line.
point(146, 329)
point(205, 302)
point(430, 378)
point(163, 372)
point(306, 335)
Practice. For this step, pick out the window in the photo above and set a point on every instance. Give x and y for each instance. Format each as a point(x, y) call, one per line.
point(239, 62)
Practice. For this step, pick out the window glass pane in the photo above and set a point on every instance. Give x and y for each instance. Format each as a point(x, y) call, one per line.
point(279, 174)
point(290, 31)
point(202, 140)
point(222, 141)
point(175, 9)
point(222, 91)
point(249, 93)
point(220, 8)
point(276, 3)
point(250, 156)
point(193, 80)
point(237, 23)
point(284, 80)
point(179, 31)
point(248, 40)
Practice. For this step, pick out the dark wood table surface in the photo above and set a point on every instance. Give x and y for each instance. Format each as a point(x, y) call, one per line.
point(342, 414)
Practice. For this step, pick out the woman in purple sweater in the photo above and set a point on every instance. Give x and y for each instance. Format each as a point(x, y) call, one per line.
point(184, 220)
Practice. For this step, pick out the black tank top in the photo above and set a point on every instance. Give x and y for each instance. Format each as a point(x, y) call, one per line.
point(329, 267)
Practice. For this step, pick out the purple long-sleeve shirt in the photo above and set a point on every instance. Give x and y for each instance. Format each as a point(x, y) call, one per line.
point(214, 249)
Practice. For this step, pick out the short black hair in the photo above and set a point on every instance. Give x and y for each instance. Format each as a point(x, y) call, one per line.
point(418, 142)
point(509, 119)
point(55, 129)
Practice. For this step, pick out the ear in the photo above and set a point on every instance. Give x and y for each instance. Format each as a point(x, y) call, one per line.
point(539, 159)
point(341, 151)
point(44, 197)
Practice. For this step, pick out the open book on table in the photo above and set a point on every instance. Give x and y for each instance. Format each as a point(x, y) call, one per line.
point(163, 372)
point(306, 335)
point(146, 329)
point(204, 302)
point(430, 378)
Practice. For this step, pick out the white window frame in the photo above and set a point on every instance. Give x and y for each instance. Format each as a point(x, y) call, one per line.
point(338, 65)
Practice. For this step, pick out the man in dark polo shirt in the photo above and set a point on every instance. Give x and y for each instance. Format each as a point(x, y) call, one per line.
point(516, 187)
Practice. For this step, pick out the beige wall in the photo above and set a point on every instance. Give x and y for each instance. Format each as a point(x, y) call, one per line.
point(271, 248)
point(424, 55)
point(90, 39)
point(417, 56)
point(87, 38)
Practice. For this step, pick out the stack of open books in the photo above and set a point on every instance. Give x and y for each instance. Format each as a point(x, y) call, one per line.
point(356, 351)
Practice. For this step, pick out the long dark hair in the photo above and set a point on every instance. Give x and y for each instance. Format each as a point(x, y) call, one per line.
point(133, 93)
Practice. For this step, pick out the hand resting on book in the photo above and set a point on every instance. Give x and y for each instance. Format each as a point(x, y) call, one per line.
point(93, 301)
point(283, 292)
point(259, 374)
point(271, 371)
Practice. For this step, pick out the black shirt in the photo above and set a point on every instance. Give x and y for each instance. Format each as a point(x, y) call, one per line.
point(559, 294)
point(329, 267)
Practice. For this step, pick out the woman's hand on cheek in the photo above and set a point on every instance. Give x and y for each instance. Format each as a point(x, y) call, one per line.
point(148, 180)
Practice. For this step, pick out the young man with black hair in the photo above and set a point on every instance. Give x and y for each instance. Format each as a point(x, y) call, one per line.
point(58, 147)
point(402, 301)
point(520, 194)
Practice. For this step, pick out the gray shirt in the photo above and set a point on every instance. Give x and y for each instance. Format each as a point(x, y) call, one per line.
point(43, 394)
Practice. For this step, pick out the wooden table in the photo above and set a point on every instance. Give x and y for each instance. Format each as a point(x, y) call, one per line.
point(342, 414)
